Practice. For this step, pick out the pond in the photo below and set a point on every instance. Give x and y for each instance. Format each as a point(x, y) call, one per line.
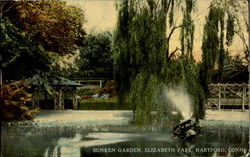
point(36, 140)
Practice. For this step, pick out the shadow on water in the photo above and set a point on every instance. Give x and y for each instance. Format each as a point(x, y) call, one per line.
point(34, 141)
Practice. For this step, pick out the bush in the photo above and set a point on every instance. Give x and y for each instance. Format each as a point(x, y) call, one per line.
point(102, 104)
point(86, 92)
point(109, 89)
point(14, 98)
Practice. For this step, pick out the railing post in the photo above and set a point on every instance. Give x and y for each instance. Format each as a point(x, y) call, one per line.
point(243, 97)
point(74, 100)
point(101, 84)
point(61, 99)
point(219, 96)
point(224, 91)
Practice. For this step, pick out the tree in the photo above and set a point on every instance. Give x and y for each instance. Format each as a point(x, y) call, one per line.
point(22, 57)
point(212, 43)
point(235, 70)
point(187, 31)
point(95, 59)
point(53, 24)
point(237, 23)
point(36, 35)
point(139, 53)
point(2, 5)
point(32, 36)
point(144, 67)
point(222, 24)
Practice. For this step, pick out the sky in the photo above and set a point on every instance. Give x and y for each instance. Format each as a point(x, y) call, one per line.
point(101, 15)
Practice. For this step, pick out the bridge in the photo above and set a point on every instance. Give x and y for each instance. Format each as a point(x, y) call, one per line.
point(228, 95)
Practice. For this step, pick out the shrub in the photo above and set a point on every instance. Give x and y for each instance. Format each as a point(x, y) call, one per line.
point(14, 99)
point(109, 88)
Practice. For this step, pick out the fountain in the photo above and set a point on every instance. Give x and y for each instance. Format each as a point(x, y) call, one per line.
point(187, 128)
point(180, 99)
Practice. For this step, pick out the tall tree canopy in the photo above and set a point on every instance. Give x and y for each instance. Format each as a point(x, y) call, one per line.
point(187, 30)
point(222, 24)
point(53, 24)
point(22, 58)
point(213, 43)
point(34, 34)
point(238, 22)
point(143, 66)
point(95, 59)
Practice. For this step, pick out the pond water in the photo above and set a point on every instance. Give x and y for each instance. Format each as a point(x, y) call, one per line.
point(104, 141)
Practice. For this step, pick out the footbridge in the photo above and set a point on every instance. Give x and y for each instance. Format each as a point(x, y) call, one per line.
point(228, 96)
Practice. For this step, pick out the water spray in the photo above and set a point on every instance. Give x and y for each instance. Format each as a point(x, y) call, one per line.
point(181, 100)
point(179, 97)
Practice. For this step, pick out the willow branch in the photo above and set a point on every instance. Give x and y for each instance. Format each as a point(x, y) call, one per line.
point(172, 53)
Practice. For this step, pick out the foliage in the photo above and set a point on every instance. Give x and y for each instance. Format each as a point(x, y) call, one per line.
point(237, 22)
point(21, 56)
point(217, 65)
point(53, 24)
point(230, 30)
point(143, 68)
point(86, 92)
point(195, 89)
point(213, 44)
point(14, 98)
point(134, 43)
point(109, 88)
point(37, 35)
point(185, 74)
point(95, 59)
point(235, 70)
point(187, 32)
point(138, 36)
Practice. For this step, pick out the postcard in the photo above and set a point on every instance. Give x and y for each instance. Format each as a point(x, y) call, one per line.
point(114, 78)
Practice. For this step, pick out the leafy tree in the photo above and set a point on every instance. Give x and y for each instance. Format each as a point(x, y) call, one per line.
point(235, 70)
point(22, 57)
point(36, 35)
point(53, 24)
point(187, 31)
point(212, 42)
point(144, 67)
point(222, 24)
point(237, 23)
point(95, 59)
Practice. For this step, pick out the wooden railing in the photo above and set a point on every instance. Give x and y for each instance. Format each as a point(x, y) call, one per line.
point(228, 95)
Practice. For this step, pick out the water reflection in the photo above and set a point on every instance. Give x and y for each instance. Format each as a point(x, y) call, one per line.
point(69, 147)
point(72, 142)
point(66, 147)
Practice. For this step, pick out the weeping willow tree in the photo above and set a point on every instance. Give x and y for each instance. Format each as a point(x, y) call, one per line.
point(143, 64)
point(139, 47)
point(214, 41)
point(190, 69)
point(187, 31)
